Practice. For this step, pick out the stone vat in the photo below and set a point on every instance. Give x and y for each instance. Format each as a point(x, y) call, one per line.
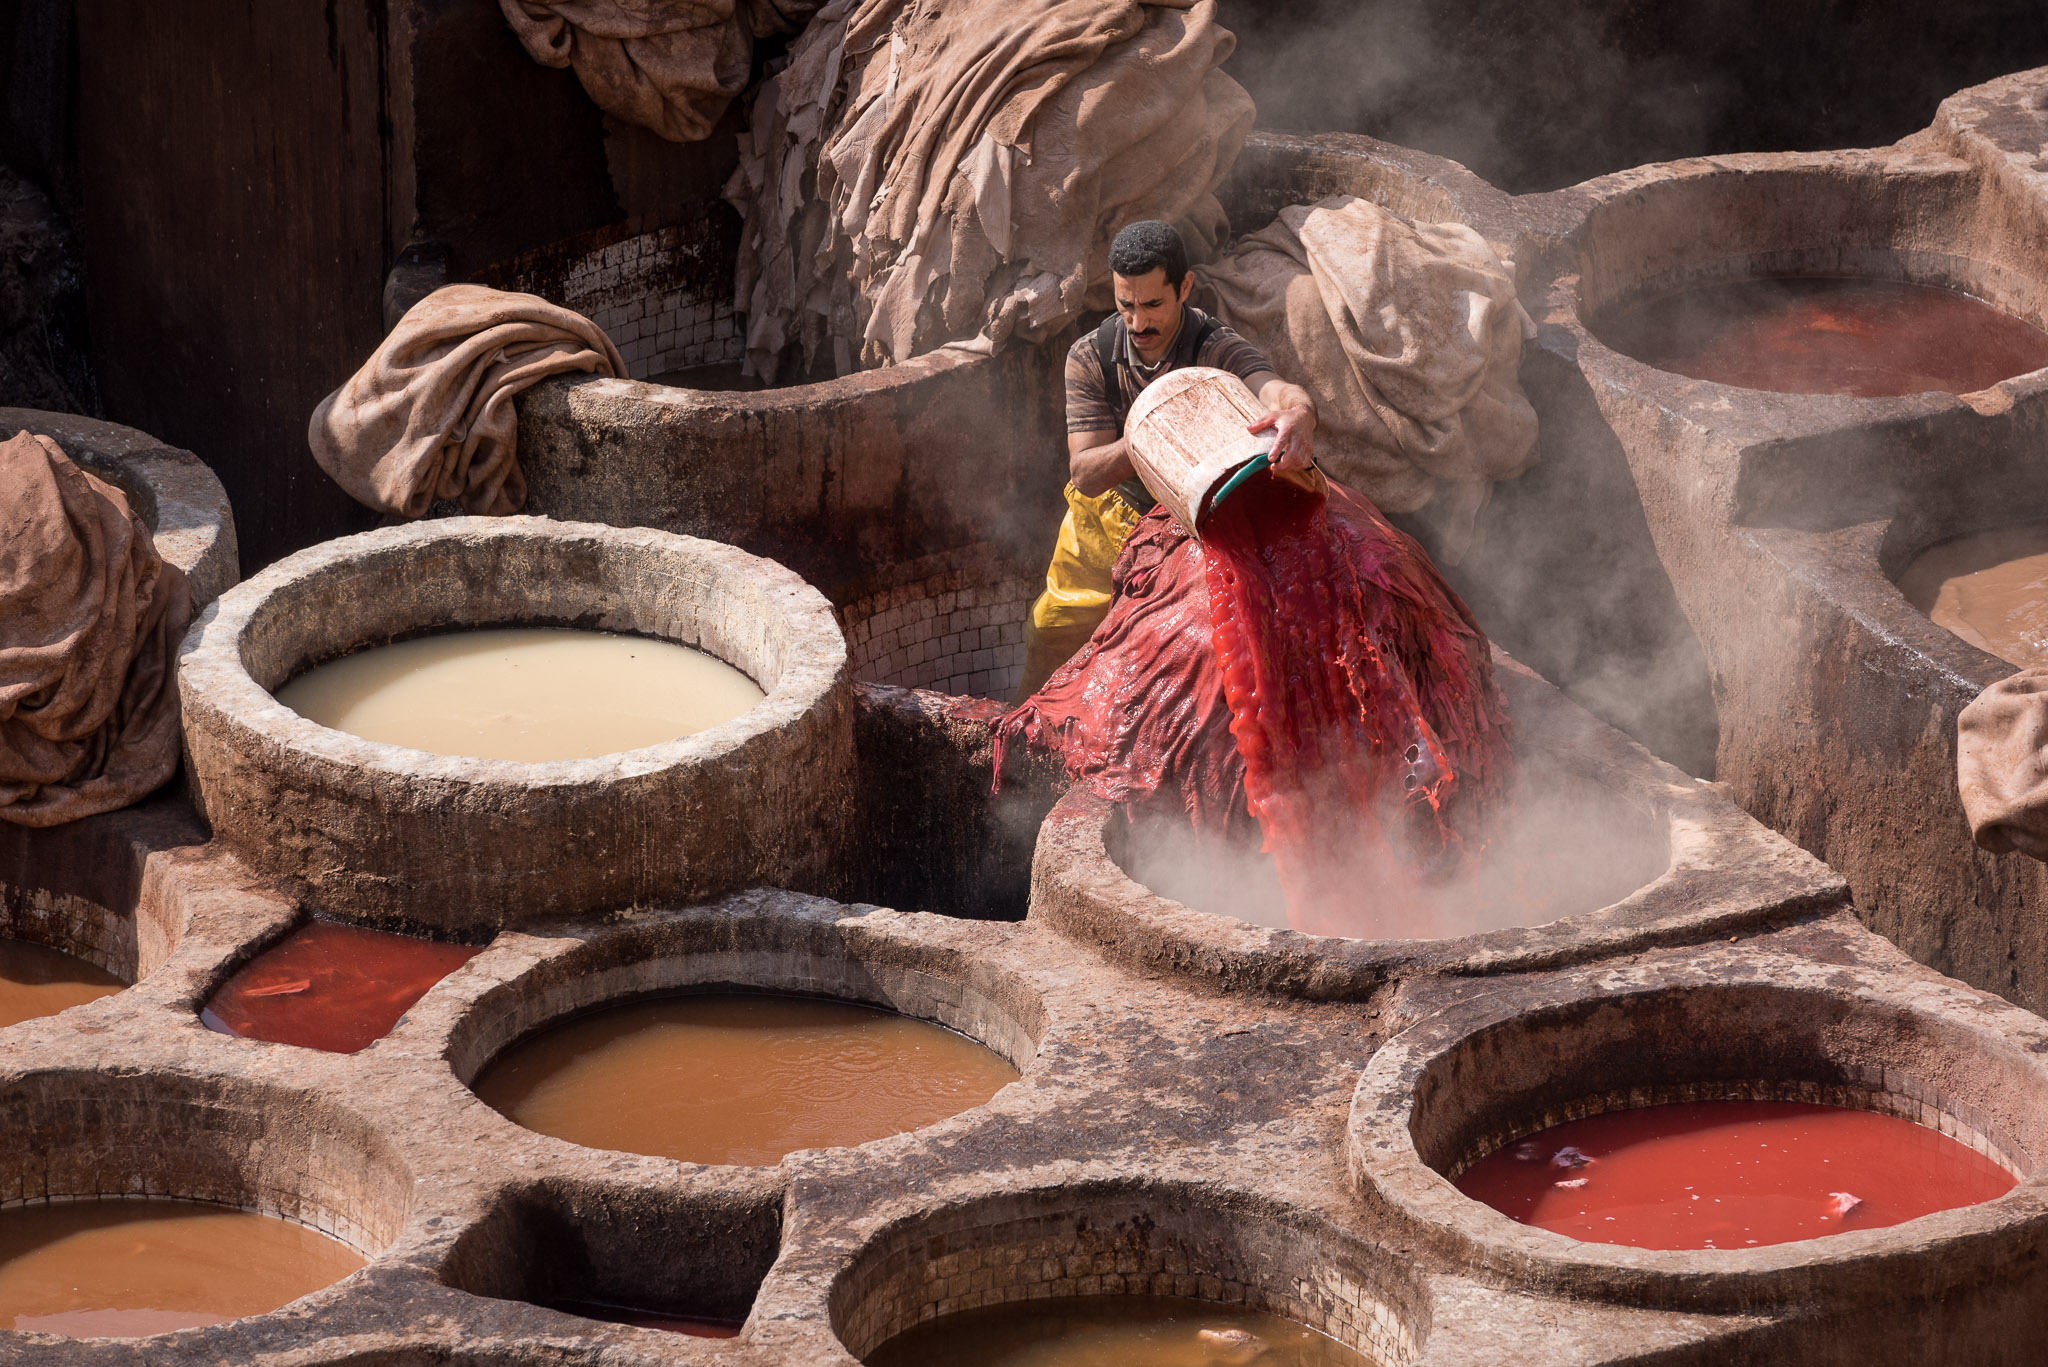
point(398, 836)
point(1687, 865)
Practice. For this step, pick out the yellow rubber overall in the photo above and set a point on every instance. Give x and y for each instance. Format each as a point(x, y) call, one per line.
point(1076, 596)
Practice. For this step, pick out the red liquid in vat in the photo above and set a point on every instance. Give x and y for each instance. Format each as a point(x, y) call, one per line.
point(647, 1319)
point(1730, 1174)
point(332, 987)
point(1867, 338)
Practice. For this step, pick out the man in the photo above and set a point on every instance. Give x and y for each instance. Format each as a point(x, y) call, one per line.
point(1153, 331)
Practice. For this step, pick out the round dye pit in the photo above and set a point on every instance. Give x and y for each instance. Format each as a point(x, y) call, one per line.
point(1100, 1273)
point(1828, 335)
point(529, 695)
point(458, 844)
point(739, 1078)
point(127, 1269)
point(1111, 1331)
point(331, 987)
point(1990, 588)
point(1893, 1117)
point(1730, 1174)
point(36, 980)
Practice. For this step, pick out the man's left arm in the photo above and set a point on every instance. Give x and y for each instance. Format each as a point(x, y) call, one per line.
point(1291, 417)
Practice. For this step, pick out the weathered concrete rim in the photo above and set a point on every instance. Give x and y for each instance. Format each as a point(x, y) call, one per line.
point(306, 1147)
point(215, 655)
point(1726, 874)
point(1966, 1032)
point(173, 490)
point(1223, 1243)
point(762, 940)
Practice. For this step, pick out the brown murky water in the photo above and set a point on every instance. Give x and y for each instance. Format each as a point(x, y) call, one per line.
point(36, 980)
point(121, 1269)
point(527, 694)
point(1112, 1331)
point(739, 1078)
point(1807, 335)
point(1990, 588)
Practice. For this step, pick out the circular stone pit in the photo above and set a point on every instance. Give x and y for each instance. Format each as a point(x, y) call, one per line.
point(1113, 1239)
point(176, 495)
point(387, 834)
point(277, 1151)
point(1485, 1072)
point(1692, 865)
point(774, 943)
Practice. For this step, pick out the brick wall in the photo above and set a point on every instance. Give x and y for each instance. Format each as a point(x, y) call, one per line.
point(952, 622)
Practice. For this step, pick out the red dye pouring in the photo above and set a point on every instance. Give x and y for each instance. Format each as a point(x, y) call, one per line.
point(1730, 1174)
point(1867, 338)
point(332, 987)
point(1306, 666)
point(647, 1319)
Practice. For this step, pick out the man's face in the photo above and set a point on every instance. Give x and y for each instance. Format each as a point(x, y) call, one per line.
point(1151, 309)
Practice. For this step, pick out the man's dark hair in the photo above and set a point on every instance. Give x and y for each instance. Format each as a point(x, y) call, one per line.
point(1146, 246)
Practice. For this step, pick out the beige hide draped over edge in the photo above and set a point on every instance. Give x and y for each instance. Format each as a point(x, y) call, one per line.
point(90, 619)
point(2002, 764)
point(932, 171)
point(1409, 337)
point(669, 65)
point(430, 414)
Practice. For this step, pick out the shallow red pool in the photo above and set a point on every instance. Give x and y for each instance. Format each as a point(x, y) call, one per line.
point(1868, 338)
point(333, 987)
point(1730, 1174)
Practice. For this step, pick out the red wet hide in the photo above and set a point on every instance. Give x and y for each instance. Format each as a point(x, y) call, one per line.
point(1308, 668)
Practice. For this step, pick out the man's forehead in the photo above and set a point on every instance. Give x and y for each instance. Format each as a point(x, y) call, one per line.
point(1151, 283)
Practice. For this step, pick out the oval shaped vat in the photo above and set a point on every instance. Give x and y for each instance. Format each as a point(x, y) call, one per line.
point(1681, 864)
point(1888, 218)
point(176, 494)
point(388, 834)
point(840, 479)
point(1489, 1071)
point(106, 1138)
point(764, 944)
point(1111, 1239)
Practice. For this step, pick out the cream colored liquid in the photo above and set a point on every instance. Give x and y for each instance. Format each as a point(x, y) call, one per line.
point(1112, 1331)
point(527, 694)
point(122, 1269)
point(736, 1078)
point(36, 980)
point(1990, 588)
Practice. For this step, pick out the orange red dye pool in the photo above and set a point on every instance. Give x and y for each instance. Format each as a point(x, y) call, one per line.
point(332, 987)
point(1805, 335)
point(1730, 1174)
point(36, 980)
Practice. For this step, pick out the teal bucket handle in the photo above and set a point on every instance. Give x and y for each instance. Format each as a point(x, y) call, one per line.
point(1239, 476)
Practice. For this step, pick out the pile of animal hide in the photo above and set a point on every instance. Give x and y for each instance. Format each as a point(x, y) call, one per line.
point(430, 415)
point(1409, 337)
point(669, 65)
point(933, 171)
point(90, 619)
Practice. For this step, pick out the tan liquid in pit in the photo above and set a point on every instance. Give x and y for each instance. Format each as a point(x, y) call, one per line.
point(1990, 588)
point(122, 1269)
point(1112, 1331)
point(36, 980)
point(736, 1078)
point(527, 694)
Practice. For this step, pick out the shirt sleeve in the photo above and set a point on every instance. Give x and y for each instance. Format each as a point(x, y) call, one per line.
point(1226, 350)
point(1088, 408)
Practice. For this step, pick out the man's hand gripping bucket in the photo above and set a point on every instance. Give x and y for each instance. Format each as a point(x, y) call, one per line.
point(1187, 439)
